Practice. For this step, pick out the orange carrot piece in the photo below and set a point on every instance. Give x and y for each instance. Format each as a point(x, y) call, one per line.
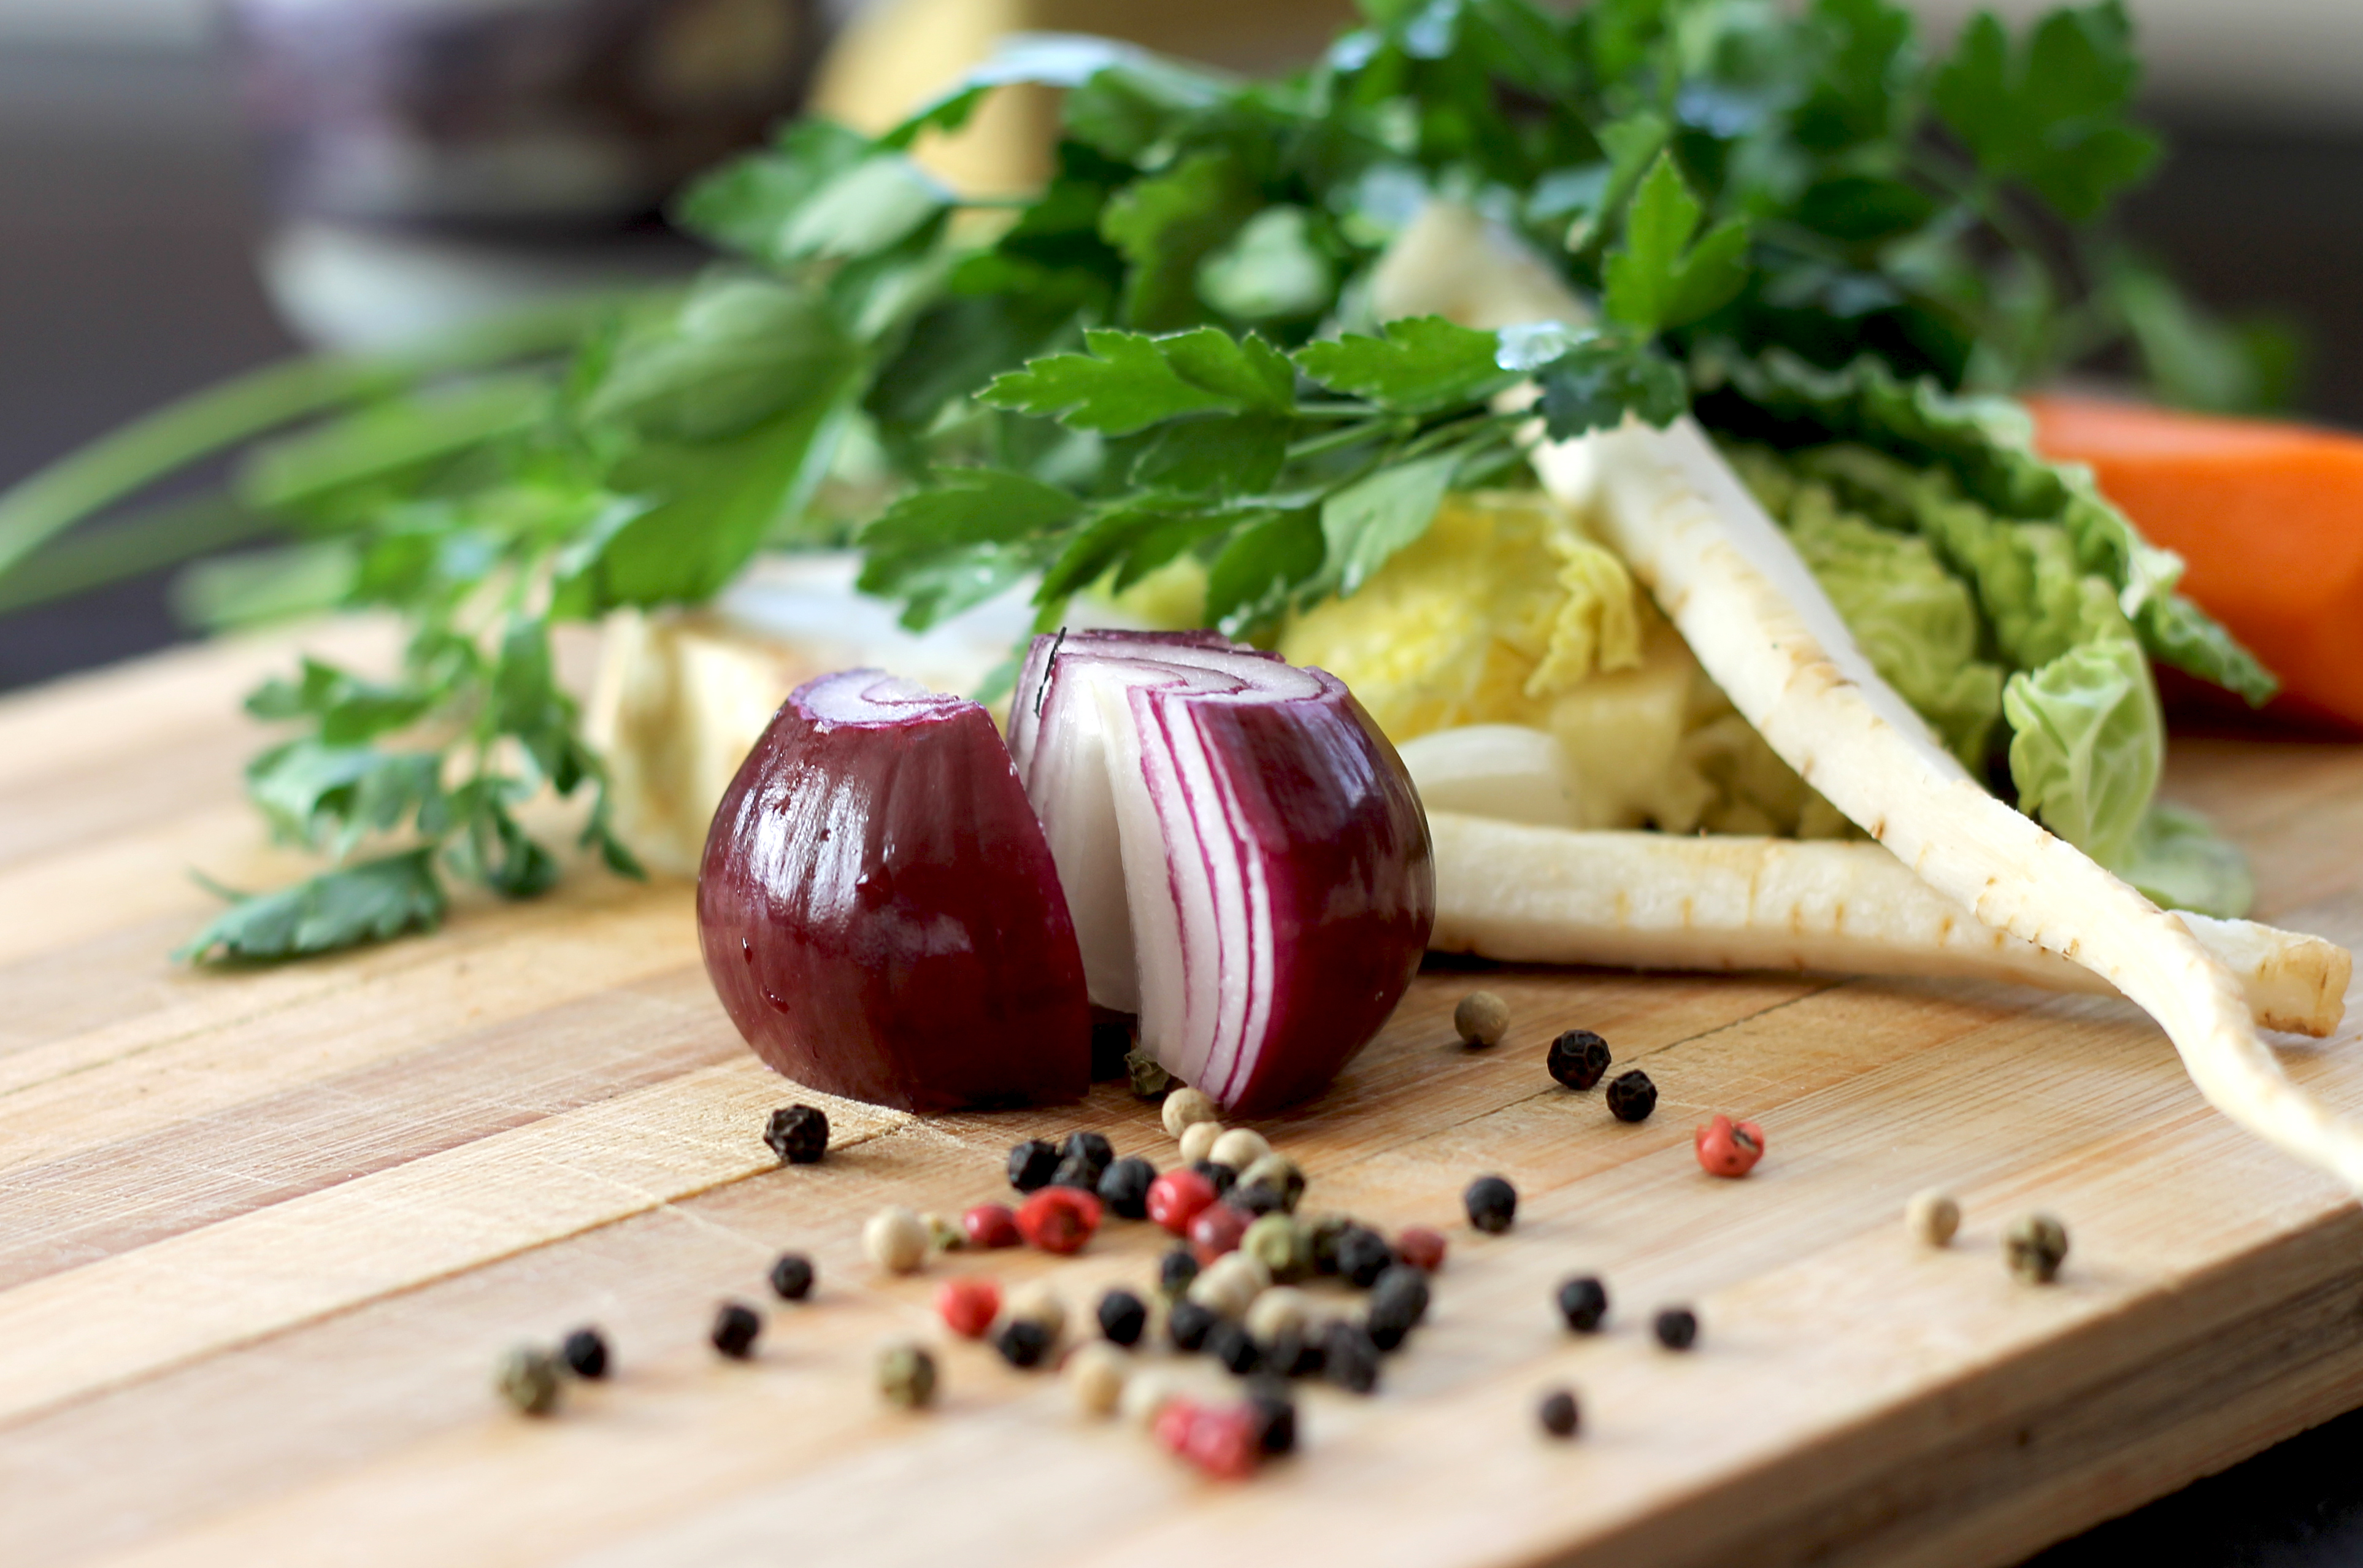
point(2270, 518)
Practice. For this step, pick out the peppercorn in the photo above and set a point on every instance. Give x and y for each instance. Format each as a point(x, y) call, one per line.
point(585, 1351)
point(991, 1225)
point(1145, 1073)
point(1677, 1327)
point(2034, 1247)
point(1279, 1173)
point(1322, 1234)
point(1058, 1219)
point(1230, 1284)
point(1583, 1302)
point(1092, 1148)
point(1631, 1096)
point(1022, 1342)
point(1559, 1415)
point(1482, 1018)
point(1032, 1164)
point(1222, 1442)
point(1121, 1317)
point(1217, 1176)
point(895, 1239)
point(1189, 1323)
point(1492, 1204)
point(1037, 1304)
point(1238, 1148)
point(1198, 1140)
point(797, 1134)
point(1728, 1148)
point(1231, 1345)
point(1276, 1311)
point(1277, 1242)
point(1185, 1109)
point(1175, 1270)
point(1175, 1198)
point(1147, 1391)
point(943, 1235)
point(1364, 1256)
point(1294, 1352)
point(1216, 1230)
point(1097, 1373)
point(1932, 1217)
point(1275, 1417)
point(1398, 1301)
point(792, 1276)
point(969, 1306)
point(1076, 1173)
point(906, 1377)
point(1349, 1358)
point(1255, 1200)
point(1124, 1187)
point(1421, 1248)
point(736, 1328)
point(526, 1377)
point(1577, 1059)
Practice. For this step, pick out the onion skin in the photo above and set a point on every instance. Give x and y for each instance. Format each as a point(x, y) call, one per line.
point(879, 912)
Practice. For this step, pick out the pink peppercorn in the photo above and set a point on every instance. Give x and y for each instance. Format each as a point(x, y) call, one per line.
point(1421, 1248)
point(1060, 1219)
point(1176, 1197)
point(968, 1305)
point(1225, 1443)
point(990, 1224)
point(1171, 1428)
point(1727, 1148)
point(1216, 1230)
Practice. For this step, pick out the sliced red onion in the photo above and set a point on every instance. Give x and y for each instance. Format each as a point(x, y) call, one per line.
point(878, 910)
point(1244, 853)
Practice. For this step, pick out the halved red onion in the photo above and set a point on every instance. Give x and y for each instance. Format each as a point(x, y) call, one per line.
point(1245, 857)
point(878, 910)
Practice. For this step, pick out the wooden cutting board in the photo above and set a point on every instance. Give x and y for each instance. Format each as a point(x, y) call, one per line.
point(263, 1234)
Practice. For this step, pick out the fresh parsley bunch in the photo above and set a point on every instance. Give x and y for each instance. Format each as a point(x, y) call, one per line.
point(1167, 349)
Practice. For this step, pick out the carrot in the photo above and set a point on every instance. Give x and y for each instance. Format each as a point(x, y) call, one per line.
point(2270, 518)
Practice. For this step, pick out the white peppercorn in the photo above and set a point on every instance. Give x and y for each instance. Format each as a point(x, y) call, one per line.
point(896, 1240)
point(1198, 1140)
point(1482, 1018)
point(1147, 1391)
point(1239, 1148)
point(1230, 1284)
point(1185, 1109)
point(1932, 1217)
point(1036, 1302)
point(1097, 1372)
point(1278, 1310)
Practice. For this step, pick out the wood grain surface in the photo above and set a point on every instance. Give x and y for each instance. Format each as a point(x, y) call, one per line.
point(263, 1235)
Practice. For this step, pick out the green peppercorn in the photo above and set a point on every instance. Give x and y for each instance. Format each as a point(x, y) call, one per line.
point(1558, 1413)
point(1482, 1018)
point(2034, 1247)
point(1577, 1059)
point(1631, 1096)
point(1278, 1243)
point(526, 1376)
point(797, 1134)
point(792, 1276)
point(585, 1351)
point(1583, 1302)
point(1322, 1234)
point(735, 1329)
point(906, 1377)
point(1676, 1328)
point(1491, 1203)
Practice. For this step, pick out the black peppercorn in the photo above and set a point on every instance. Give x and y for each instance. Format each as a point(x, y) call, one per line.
point(1031, 1163)
point(1233, 1346)
point(1577, 1059)
point(1190, 1322)
point(1631, 1096)
point(1175, 1272)
point(1398, 1301)
point(1257, 1200)
point(1275, 1417)
point(1121, 1317)
point(1349, 1358)
point(797, 1134)
point(1022, 1342)
point(1089, 1149)
point(1079, 1174)
point(1677, 1327)
point(1492, 1204)
point(1124, 1187)
point(792, 1276)
point(1221, 1177)
point(1294, 1353)
point(735, 1329)
point(1364, 1256)
point(585, 1351)
point(1559, 1415)
point(1583, 1302)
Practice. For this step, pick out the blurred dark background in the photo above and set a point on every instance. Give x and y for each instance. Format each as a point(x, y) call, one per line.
point(131, 221)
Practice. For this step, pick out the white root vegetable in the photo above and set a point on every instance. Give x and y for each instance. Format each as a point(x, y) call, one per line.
point(1761, 626)
point(1542, 895)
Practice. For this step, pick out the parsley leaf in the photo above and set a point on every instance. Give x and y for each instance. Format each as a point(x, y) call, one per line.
point(1129, 381)
point(373, 901)
point(1413, 366)
point(1657, 279)
point(1365, 523)
point(2052, 116)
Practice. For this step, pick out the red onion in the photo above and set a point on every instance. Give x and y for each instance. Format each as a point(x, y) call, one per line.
point(1244, 854)
point(878, 910)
